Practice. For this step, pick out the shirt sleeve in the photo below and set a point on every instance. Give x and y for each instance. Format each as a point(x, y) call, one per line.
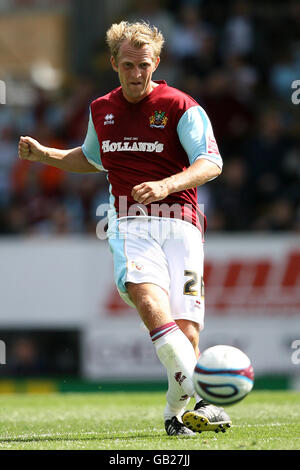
point(196, 136)
point(91, 147)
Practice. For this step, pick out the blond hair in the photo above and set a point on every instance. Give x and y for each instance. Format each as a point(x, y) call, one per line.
point(139, 34)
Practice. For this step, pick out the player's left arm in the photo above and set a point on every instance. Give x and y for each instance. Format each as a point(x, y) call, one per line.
point(196, 136)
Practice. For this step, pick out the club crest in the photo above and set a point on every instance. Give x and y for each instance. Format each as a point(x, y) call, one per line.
point(158, 119)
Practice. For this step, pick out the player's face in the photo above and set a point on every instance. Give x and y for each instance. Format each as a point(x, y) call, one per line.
point(135, 67)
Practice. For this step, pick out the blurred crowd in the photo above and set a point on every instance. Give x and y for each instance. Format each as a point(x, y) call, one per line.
point(238, 59)
point(41, 353)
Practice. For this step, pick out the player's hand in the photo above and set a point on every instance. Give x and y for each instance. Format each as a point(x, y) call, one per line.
point(30, 149)
point(150, 191)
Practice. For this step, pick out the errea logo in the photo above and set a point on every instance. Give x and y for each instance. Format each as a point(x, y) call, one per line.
point(109, 119)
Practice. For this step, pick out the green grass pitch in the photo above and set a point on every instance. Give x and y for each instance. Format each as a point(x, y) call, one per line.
point(133, 421)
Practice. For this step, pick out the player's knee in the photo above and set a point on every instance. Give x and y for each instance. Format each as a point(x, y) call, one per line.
point(140, 296)
point(152, 304)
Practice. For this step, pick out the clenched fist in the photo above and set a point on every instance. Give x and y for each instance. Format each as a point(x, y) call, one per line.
point(30, 149)
point(150, 191)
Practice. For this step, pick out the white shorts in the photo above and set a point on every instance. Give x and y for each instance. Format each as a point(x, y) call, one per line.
point(165, 252)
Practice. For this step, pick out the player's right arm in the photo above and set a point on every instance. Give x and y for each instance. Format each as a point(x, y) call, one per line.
point(84, 159)
point(73, 160)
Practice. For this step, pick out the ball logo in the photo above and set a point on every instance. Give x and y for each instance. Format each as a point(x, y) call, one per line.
point(227, 390)
point(223, 375)
point(210, 389)
point(248, 372)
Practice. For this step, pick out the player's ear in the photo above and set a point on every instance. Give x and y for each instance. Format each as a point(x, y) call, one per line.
point(114, 63)
point(156, 63)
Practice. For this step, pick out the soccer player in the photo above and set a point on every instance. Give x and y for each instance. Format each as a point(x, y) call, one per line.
point(157, 145)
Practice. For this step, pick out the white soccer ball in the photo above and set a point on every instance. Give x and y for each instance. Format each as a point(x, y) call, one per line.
point(223, 375)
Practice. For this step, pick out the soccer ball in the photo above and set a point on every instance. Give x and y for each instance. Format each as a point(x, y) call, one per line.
point(223, 375)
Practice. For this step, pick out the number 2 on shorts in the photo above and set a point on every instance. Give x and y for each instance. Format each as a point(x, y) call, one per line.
point(191, 286)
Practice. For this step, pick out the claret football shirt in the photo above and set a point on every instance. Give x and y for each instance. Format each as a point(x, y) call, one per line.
point(157, 137)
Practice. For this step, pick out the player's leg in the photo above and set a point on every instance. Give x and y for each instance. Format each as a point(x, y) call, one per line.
point(175, 396)
point(187, 307)
point(184, 253)
point(173, 348)
point(142, 278)
point(191, 329)
point(152, 303)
